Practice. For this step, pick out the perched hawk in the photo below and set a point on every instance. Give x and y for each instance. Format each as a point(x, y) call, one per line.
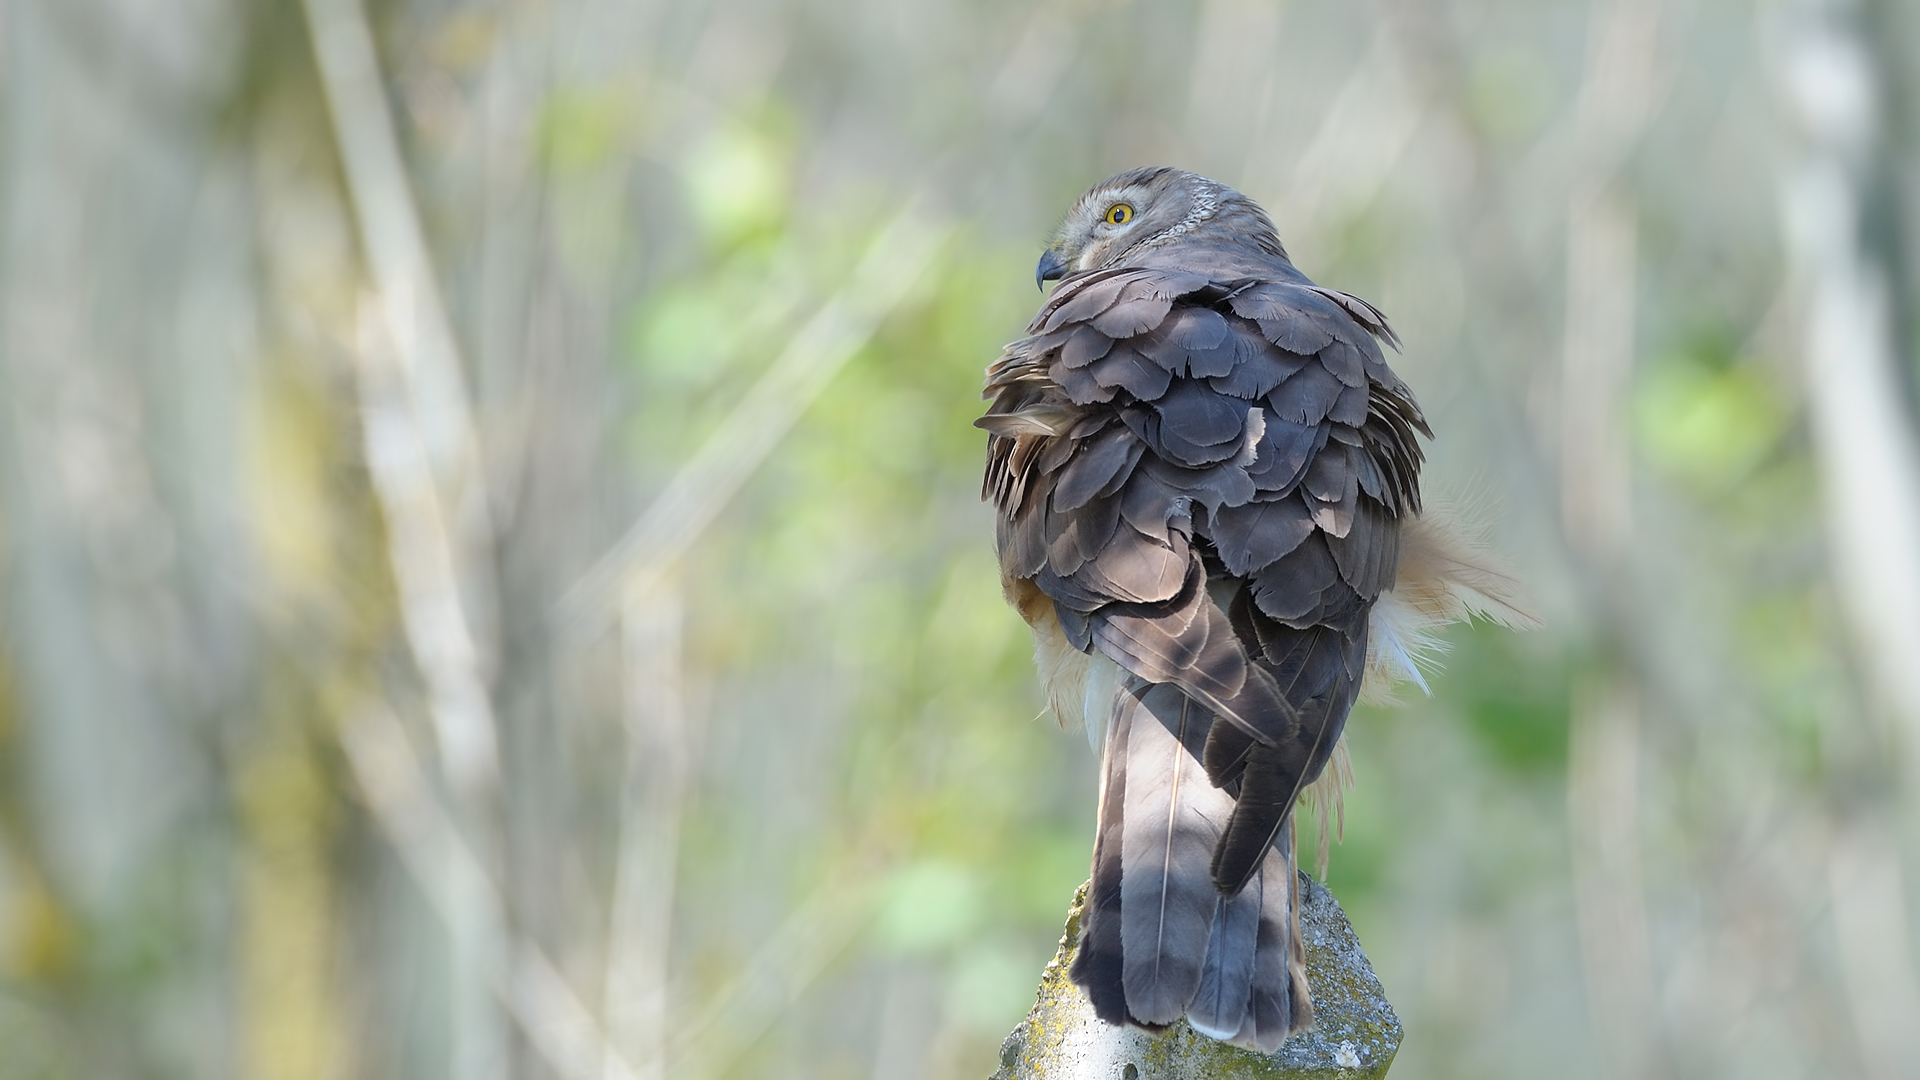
point(1208, 491)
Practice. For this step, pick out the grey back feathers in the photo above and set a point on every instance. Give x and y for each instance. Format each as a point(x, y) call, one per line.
point(1203, 462)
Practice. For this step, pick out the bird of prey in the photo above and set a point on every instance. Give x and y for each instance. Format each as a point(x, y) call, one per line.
point(1207, 491)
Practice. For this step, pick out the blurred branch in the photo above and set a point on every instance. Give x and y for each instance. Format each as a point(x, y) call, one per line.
point(1868, 449)
point(423, 455)
point(1360, 139)
point(450, 874)
point(887, 273)
point(421, 445)
point(1870, 923)
point(790, 960)
point(1609, 886)
point(1617, 97)
point(1596, 380)
point(1862, 416)
point(396, 247)
point(426, 569)
point(652, 802)
point(1619, 90)
point(421, 549)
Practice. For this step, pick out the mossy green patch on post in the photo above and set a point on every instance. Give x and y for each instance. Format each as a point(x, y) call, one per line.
point(1354, 1035)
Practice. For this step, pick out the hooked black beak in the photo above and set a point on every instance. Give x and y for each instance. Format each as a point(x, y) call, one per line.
point(1052, 268)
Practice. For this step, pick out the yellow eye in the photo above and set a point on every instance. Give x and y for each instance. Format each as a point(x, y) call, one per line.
point(1119, 214)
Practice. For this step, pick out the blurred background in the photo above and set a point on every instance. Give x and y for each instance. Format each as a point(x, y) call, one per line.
point(494, 584)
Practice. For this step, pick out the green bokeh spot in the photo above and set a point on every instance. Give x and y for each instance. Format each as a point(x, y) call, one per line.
point(1706, 426)
point(1514, 696)
point(736, 182)
point(929, 905)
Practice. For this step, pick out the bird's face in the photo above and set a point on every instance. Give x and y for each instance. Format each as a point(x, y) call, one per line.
point(1120, 213)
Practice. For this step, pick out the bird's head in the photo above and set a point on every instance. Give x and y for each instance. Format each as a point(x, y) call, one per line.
point(1139, 210)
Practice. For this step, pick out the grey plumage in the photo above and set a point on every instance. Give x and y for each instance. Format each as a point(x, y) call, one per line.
point(1201, 465)
point(1170, 821)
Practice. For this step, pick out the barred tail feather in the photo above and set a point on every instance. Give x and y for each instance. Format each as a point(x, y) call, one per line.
point(1158, 940)
point(1167, 898)
point(1281, 1004)
point(1098, 964)
point(1219, 1009)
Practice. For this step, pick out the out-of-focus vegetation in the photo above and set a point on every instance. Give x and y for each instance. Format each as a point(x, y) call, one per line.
point(427, 654)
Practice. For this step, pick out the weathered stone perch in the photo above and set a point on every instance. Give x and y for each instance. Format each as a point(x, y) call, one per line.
point(1354, 1036)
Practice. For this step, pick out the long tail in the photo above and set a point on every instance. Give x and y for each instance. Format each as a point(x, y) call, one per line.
point(1159, 941)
